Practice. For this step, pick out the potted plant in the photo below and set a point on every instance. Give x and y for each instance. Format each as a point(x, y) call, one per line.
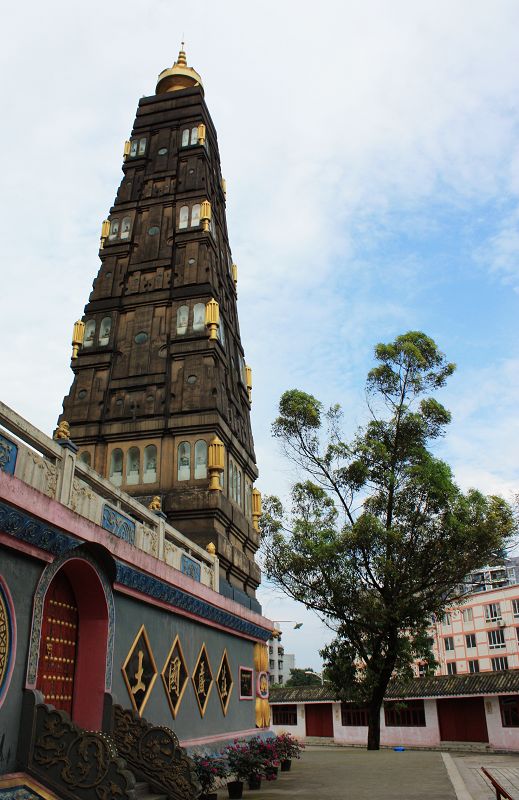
point(208, 769)
point(287, 748)
point(245, 763)
point(266, 751)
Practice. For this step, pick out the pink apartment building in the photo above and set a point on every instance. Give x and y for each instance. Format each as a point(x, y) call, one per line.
point(480, 635)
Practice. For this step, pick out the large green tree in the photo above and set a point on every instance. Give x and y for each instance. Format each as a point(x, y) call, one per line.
point(379, 536)
point(303, 677)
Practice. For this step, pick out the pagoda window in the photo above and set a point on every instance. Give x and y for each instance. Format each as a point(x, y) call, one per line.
point(85, 457)
point(194, 135)
point(184, 461)
point(199, 317)
point(133, 148)
point(183, 217)
point(200, 459)
point(185, 138)
point(125, 227)
point(195, 215)
point(132, 466)
point(90, 332)
point(142, 146)
point(150, 464)
point(104, 331)
point(116, 467)
point(221, 333)
point(114, 229)
point(248, 498)
point(238, 494)
point(182, 319)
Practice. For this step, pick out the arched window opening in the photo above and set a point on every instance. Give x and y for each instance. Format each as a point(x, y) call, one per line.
point(84, 457)
point(200, 459)
point(194, 135)
point(238, 493)
point(132, 466)
point(125, 227)
point(142, 146)
point(199, 317)
point(133, 148)
point(90, 332)
point(183, 217)
point(184, 461)
point(150, 464)
point(104, 331)
point(182, 319)
point(221, 333)
point(114, 229)
point(116, 467)
point(185, 138)
point(195, 215)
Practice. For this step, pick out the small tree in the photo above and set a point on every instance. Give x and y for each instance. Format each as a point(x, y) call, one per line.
point(379, 536)
point(303, 677)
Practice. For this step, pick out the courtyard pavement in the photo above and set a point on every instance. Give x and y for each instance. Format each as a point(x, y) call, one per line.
point(340, 773)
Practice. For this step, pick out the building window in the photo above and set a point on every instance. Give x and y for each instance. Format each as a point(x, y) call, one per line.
point(114, 229)
point(125, 227)
point(132, 466)
point(515, 607)
point(200, 459)
point(470, 639)
point(492, 612)
point(195, 215)
point(355, 715)
point(467, 615)
point(104, 331)
point(199, 317)
point(90, 332)
point(194, 135)
point(284, 715)
point(248, 498)
point(142, 146)
point(182, 320)
point(496, 638)
point(116, 467)
point(499, 664)
point(452, 669)
point(509, 711)
point(185, 138)
point(410, 714)
point(446, 619)
point(448, 643)
point(184, 461)
point(183, 217)
point(221, 333)
point(474, 665)
point(150, 464)
point(133, 148)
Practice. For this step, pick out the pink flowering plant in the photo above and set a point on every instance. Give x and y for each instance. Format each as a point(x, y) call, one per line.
point(209, 769)
point(287, 747)
point(244, 759)
point(266, 750)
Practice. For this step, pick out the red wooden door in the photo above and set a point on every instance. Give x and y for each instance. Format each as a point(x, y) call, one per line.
point(58, 645)
point(462, 720)
point(319, 720)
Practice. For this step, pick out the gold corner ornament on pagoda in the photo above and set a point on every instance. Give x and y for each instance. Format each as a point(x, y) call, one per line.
point(212, 319)
point(105, 230)
point(215, 463)
point(256, 508)
point(78, 337)
point(205, 215)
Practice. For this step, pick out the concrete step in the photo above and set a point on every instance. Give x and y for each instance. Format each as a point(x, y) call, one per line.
point(319, 741)
point(468, 747)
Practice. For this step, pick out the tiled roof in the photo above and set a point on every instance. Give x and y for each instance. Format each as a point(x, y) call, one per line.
point(482, 683)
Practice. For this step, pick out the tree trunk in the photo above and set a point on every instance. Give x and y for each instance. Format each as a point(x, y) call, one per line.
point(374, 724)
point(383, 675)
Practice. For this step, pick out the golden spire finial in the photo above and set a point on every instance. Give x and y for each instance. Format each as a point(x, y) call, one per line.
point(182, 60)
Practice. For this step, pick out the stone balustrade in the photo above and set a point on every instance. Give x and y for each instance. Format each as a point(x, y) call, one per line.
point(51, 467)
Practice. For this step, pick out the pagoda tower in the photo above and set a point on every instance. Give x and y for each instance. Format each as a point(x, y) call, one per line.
point(161, 396)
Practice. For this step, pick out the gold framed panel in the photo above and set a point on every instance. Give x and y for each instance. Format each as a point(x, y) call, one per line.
point(224, 682)
point(202, 678)
point(174, 668)
point(139, 671)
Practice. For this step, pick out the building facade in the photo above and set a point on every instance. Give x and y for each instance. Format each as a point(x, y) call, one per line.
point(481, 635)
point(280, 663)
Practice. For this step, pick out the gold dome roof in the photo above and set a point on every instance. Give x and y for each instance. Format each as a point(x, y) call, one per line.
point(179, 76)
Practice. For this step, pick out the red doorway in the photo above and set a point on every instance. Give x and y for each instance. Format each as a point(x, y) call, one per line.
point(319, 720)
point(73, 643)
point(462, 720)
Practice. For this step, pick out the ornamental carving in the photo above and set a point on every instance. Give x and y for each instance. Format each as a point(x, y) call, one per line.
point(6, 642)
point(224, 682)
point(8, 454)
point(154, 753)
point(202, 680)
point(118, 524)
point(139, 671)
point(75, 762)
point(175, 676)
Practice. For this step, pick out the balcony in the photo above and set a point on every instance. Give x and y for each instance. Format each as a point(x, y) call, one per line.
point(53, 470)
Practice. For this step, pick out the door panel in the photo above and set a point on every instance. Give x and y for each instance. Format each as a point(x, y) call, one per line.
point(462, 720)
point(319, 720)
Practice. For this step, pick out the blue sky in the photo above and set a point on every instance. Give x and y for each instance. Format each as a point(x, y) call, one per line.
point(371, 152)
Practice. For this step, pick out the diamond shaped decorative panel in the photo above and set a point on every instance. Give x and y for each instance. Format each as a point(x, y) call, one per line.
point(224, 682)
point(202, 680)
point(139, 671)
point(175, 676)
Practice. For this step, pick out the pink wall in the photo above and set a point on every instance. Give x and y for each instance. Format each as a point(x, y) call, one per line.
point(499, 737)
